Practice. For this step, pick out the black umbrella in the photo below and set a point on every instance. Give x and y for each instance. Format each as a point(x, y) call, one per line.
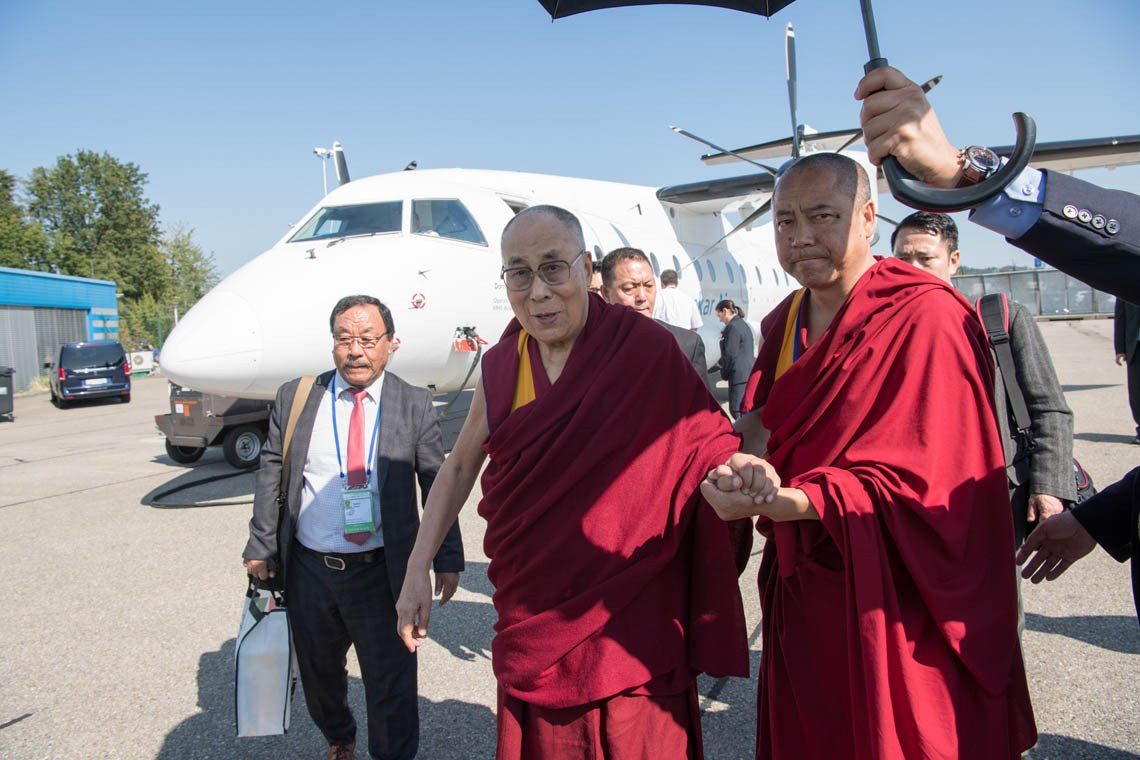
point(904, 186)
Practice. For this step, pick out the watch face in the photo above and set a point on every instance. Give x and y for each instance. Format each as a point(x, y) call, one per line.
point(983, 158)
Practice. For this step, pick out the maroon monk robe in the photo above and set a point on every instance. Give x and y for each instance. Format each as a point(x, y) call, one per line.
point(612, 575)
point(890, 626)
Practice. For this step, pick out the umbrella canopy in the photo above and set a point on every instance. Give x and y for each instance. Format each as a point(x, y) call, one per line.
point(560, 8)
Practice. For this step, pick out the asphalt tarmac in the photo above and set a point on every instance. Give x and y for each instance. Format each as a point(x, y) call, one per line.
point(117, 618)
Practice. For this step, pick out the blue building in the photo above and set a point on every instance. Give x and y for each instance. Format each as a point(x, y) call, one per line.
point(39, 312)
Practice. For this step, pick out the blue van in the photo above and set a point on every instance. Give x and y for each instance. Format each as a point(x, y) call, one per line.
point(98, 369)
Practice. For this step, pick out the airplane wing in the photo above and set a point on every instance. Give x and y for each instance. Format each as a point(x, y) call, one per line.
point(719, 189)
point(1061, 155)
point(812, 142)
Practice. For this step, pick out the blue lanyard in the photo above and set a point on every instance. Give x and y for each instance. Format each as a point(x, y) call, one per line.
point(336, 437)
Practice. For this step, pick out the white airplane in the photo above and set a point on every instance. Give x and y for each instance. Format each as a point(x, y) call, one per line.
point(426, 243)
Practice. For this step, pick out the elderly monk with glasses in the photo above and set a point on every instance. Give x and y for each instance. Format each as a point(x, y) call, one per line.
point(614, 581)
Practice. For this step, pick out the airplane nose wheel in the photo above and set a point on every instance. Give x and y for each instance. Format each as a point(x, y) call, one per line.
point(242, 446)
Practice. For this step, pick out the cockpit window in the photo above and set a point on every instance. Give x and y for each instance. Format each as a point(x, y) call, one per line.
point(447, 218)
point(360, 219)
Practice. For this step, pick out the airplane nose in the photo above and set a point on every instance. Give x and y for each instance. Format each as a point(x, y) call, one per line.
point(216, 347)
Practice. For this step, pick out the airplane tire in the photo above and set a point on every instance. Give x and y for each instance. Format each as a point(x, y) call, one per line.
point(242, 446)
point(184, 454)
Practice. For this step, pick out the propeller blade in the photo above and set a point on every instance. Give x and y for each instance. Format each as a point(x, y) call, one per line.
point(927, 86)
point(764, 208)
point(790, 69)
point(716, 147)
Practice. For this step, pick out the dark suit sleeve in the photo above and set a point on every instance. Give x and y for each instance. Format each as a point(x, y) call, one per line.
point(1108, 261)
point(429, 458)
point(263, 525)
point(1108, 516)
point(1119, 320)
point(1050, 464)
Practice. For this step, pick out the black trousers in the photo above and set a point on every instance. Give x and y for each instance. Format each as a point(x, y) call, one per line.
point(735, 398)
point(332, 609)
point(1134, 389)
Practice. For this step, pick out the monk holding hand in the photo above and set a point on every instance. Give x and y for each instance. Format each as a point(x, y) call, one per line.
point(886, 585)
point(614, 581)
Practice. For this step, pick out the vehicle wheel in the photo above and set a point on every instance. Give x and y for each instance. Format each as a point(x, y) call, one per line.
point(126, 399)
point(242, 446)
point(184, 454)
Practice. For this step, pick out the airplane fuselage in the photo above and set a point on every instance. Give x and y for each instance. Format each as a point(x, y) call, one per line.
point(426, 243)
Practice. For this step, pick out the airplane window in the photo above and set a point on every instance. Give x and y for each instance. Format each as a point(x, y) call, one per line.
point(743, 274)
point(776, 275)
point(656, 266)
point(446, 218)
point(700, 275)
point(676, 264)
point(712, 272)
point(728, 268)
point(759, 277)
point(359, 219)
point(786, 280)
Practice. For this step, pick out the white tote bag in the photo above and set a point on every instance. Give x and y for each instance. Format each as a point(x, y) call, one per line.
point(265, 666)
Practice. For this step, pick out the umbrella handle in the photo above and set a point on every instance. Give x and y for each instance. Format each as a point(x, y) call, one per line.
point(909, 190)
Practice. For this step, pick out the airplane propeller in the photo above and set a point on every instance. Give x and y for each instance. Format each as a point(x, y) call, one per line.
point(683, 133)
point(790, 71)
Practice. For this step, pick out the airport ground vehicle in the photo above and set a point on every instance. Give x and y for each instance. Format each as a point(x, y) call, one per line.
point(197, 420)
point(90, 370)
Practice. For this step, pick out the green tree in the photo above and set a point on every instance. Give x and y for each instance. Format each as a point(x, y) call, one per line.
point(192, 270)
point(22, 242)
point(100, 223)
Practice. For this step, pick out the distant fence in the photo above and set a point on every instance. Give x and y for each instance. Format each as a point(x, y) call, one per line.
point(1044, 292)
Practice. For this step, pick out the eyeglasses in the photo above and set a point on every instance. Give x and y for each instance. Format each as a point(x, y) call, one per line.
point(552, 273)
point(366, 343)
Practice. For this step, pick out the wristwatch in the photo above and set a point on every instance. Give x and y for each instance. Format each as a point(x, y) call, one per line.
point(980, 163)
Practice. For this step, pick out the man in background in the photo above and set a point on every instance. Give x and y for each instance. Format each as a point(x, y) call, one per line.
point(627, 279)
point(1038, 464)
point(674, 307)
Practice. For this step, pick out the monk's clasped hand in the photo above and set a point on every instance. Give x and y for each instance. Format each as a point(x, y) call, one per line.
point(751, 475)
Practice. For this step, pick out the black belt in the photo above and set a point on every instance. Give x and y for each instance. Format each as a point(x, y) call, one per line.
point(343, 561)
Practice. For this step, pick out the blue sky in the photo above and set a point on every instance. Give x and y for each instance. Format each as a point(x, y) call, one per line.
point(222, 103)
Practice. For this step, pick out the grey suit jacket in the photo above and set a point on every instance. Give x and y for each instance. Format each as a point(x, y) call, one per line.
point(692, 347)
point(1047, 468)
point(411, 447)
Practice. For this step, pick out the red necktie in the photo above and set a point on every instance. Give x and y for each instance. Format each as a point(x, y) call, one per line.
point(357, 478)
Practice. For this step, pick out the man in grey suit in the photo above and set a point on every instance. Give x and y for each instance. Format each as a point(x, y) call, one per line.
point(627, 279)
point(1040, 470)
point(341, 529)
point(1126, 337)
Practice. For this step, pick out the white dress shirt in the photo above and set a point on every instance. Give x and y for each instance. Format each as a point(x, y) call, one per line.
point(676, 308)
point(320, 523)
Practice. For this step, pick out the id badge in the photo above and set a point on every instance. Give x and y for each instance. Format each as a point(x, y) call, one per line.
point(357, 510)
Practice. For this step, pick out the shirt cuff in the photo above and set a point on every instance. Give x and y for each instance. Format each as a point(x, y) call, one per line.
point(1013, 211)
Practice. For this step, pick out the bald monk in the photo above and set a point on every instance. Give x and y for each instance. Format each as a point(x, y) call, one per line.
point(614, 581)
point(889, 608)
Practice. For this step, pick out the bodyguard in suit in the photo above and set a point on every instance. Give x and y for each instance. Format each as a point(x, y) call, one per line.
point(344, 525)
point(627, 279)
point(1126, 338)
